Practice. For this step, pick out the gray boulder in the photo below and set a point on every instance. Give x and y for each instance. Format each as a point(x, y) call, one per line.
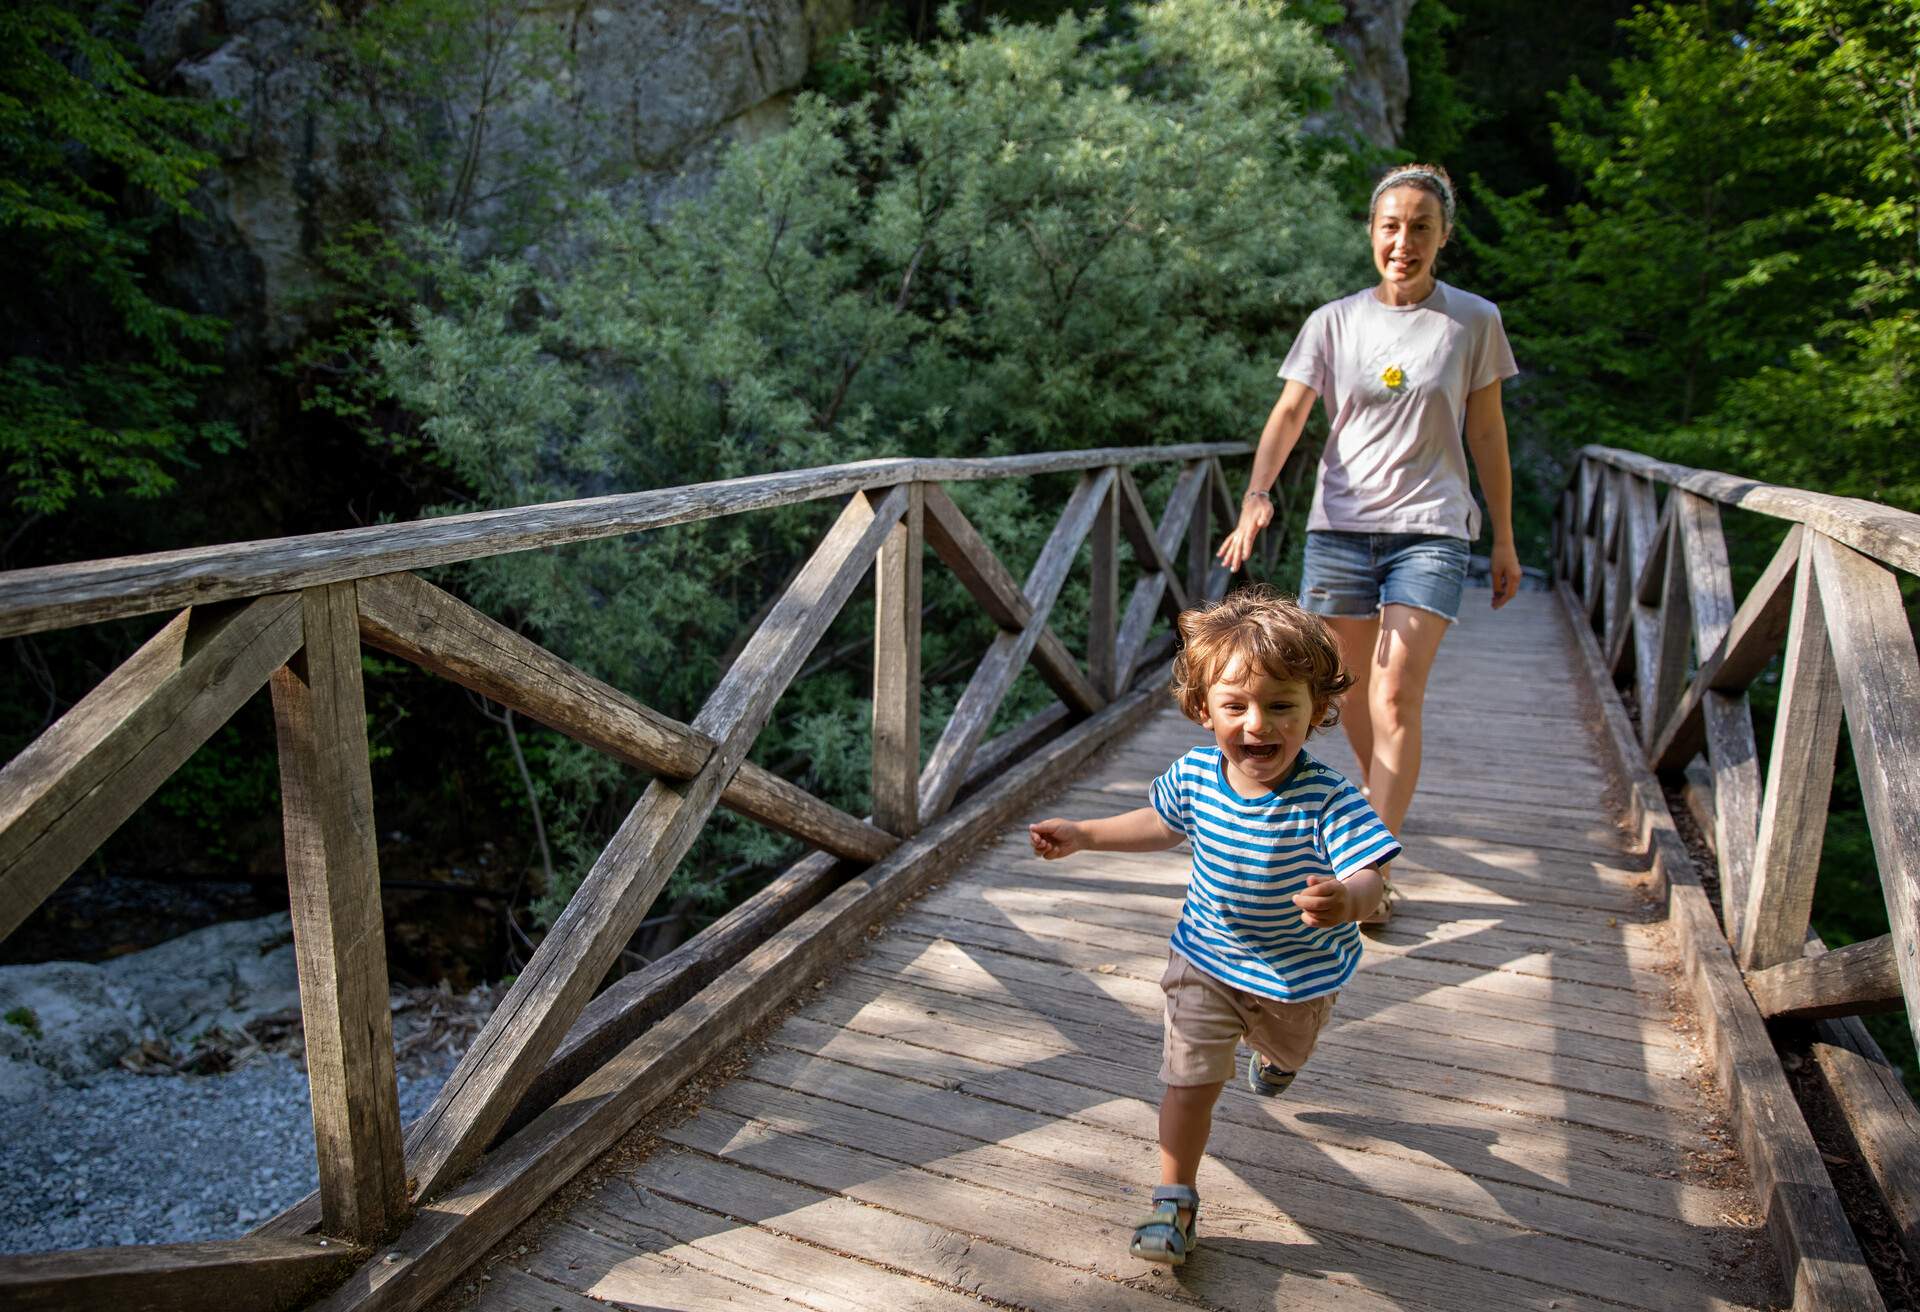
point(65, 1020)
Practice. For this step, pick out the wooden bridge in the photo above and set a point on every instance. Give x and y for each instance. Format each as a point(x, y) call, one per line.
point(917, 1071)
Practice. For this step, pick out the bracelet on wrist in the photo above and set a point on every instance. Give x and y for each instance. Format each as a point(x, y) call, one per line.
point(1256, 492)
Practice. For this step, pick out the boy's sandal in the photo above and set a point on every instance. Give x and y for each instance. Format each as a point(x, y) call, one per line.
point(1266, 1079)
point(1161, 1238)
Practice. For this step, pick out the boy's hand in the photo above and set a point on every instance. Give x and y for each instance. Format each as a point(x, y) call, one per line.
point(1056, 838)
point(1326, 902)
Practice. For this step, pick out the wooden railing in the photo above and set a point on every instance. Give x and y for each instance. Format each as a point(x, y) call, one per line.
point(1641, 553)
point(557, 1075)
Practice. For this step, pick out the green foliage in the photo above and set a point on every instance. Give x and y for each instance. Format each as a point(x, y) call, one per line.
point(99, 375)
point(24, 1018)
point(228, 791)
point(1031, 239)
point(464, 109)
point(1742, 271)
point(1438, 114)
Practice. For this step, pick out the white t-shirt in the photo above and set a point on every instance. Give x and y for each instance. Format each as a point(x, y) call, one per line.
point(1395, 381)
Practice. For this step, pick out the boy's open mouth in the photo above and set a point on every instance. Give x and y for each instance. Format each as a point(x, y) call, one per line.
point(1261, 751)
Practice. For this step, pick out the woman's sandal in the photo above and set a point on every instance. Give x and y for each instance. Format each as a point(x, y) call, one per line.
point(1383, 914)
point(1161, 1238)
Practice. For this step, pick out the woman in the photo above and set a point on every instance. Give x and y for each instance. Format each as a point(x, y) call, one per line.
point(1405, 368)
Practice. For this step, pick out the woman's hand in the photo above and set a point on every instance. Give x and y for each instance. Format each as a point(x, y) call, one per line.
point(1505, 563)
point(1256, 512)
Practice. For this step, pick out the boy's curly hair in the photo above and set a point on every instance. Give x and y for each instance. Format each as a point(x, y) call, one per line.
point(1273, 632)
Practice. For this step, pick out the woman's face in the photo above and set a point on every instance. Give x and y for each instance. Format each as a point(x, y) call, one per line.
point(1409, 228)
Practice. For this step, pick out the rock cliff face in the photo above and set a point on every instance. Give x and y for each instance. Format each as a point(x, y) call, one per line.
point(1373, 99)
point(646, 93)
point(624, 93)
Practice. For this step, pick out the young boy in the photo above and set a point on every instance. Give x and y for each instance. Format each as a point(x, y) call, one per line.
point(1285, 857)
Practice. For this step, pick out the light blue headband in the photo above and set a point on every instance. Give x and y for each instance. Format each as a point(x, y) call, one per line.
point(1418, 177)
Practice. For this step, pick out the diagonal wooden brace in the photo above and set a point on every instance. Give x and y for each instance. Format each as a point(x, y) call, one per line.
point(961, 549)
point(947, 768)
point(409, 617)
point(76, 783)
point(570, 963)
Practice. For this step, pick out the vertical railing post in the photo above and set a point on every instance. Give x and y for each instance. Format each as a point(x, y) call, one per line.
point(896, 671)
point(1103, 595)
point(1199, 541)
point(333, 887)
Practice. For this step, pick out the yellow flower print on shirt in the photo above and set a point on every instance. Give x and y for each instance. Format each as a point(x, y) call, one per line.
point(1393, 378)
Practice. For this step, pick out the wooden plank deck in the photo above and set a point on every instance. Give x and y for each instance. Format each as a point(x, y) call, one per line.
point(1505, 1111)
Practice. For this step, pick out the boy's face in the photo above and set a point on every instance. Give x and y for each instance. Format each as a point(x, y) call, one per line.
point(1260, 723)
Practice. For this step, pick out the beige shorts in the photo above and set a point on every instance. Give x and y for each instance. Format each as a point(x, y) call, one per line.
point(1206, 1020)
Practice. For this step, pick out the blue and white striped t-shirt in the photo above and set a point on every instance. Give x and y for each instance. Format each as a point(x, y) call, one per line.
point(1251, 855)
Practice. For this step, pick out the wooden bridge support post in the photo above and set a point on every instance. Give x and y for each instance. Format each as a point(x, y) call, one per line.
point(333, 885)
point(896, 671)
point(1103, 593)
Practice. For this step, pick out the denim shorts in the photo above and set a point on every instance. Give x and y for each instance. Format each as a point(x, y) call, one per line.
point(1352, 575)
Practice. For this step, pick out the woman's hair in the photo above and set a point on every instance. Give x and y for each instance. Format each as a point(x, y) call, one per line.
point(1273, 633)
point(1430, 178)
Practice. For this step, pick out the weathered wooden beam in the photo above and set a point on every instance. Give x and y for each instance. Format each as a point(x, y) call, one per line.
point(896, 671)
point(1103, 595)
point(1879, 675)
point(1199, 541)
point(1159, 591)
point(1758, 628)
point(339, 938)
point(1864, 1085)
point(1884, 1121)
point(263, 1274)
point(1888, 535)
point(1857, 980)
point(961, 549)
point(1728, 720)
point(1154, 544)
point(1639, 625)
point(1822, 1261)
point(410, 618)
point(1664, 677)
point(75, 783)
point(994, 675)
point(574, 957)
point(447, 1236)
point(59, 596)
point(1793, 819)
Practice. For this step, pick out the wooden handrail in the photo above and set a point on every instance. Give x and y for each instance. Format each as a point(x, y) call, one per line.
point(61, 596)
point(1653, 581)
point(1889, 535)
point(294, 612)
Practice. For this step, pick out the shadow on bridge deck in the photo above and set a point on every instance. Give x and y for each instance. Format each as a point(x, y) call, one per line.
point(1505, 1111)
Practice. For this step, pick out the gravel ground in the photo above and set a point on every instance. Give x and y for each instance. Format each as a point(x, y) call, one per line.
point(145, 1159)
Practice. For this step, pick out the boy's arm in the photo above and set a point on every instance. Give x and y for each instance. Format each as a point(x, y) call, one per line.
point(1329, 901)
point(1135, 831)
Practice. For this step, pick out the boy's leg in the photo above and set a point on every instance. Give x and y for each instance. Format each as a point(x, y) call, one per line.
point(1186, 1118)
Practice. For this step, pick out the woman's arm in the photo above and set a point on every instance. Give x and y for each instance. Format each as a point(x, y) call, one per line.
point(1277, 441)
point(1135, 831)
point(1487, 441)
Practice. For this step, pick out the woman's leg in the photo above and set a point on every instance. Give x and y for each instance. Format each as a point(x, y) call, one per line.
point(1356, 639)
point(1402, 658)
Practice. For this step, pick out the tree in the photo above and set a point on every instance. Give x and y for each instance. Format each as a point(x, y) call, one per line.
point(100, 380)
point(1034, 238)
